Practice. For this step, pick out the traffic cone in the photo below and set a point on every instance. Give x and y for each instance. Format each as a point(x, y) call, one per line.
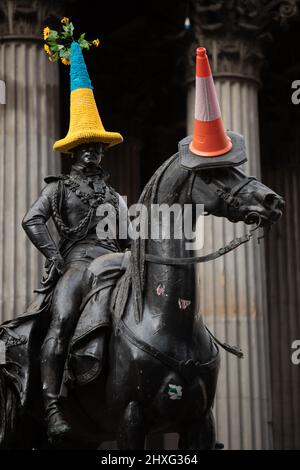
point(209, 138)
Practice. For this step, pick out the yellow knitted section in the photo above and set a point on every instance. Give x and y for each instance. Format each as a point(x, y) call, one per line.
point(85, 123)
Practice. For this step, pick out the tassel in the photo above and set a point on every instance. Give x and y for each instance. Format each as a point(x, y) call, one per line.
point(231, 349)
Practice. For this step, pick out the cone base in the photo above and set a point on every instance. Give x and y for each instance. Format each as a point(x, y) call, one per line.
point(214, 153)
point(236, 156)
point(210, 138)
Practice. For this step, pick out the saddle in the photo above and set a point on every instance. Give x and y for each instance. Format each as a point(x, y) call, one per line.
point(24, 335)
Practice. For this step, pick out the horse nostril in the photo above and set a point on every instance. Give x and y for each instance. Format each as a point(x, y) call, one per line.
point(274, 201)
point(280, 203)
point(269, 199)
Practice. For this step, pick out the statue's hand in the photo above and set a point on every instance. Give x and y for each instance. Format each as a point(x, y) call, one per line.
point(58, 263)
point(54, 270)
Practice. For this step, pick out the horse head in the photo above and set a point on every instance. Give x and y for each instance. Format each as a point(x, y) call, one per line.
point(223, 191)
point(230, 193)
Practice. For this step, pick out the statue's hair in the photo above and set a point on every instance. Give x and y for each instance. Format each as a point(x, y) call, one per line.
point(136, 271)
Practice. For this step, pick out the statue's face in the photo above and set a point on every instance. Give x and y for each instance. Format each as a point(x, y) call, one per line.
point(89, 155)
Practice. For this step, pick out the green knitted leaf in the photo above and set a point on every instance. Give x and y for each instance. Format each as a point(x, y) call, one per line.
point(69, 29)
point(64, 54)
point(84, 44)
point(52, 36)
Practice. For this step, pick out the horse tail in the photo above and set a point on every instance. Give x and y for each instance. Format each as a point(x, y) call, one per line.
point(8, 409)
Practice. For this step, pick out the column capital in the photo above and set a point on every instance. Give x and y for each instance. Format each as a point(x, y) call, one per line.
point(235, 32)
point(24, 18)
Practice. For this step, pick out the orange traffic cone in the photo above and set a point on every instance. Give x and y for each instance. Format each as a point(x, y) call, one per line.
point(210, 146)
point(210, 138)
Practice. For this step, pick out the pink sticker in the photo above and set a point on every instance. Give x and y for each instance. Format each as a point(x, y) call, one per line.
point(183, 303)
point(160, 290)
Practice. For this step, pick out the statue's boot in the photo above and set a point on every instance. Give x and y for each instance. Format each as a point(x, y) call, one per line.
point(52, 368)
point(57, 424)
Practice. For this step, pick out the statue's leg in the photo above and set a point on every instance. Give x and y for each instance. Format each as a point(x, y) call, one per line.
point(65, 311)
point(131, 430)
point(199, 435)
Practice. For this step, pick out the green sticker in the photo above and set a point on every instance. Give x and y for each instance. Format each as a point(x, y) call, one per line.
point(175, 392)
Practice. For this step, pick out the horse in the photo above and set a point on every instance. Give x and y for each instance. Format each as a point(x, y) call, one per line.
point(162, 362)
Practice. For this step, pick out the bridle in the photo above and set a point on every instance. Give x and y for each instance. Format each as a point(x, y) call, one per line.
point(229, 197)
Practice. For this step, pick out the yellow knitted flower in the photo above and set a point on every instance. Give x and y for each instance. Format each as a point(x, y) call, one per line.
point(46, 32)
point(47, 49)
point(96, 42)
point(65, 20)
point(65, 61)
point(51, 59)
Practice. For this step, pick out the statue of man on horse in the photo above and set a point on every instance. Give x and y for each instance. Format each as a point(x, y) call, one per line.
point(163, 364)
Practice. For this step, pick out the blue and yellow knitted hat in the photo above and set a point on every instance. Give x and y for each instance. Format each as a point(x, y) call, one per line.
point(85, 122)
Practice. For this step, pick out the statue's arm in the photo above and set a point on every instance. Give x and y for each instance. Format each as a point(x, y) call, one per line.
point(35, 225)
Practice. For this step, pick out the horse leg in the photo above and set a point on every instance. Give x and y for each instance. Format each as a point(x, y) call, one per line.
point(131, 432)
point(199, 435)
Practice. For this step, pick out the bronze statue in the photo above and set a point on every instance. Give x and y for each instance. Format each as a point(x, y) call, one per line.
point(162, 364)
point(123, 352)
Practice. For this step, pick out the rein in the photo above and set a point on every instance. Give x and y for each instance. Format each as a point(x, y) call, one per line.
point(229, 198)
point(235, 243)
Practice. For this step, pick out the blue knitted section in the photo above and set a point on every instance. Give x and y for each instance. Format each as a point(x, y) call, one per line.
point(78, 71)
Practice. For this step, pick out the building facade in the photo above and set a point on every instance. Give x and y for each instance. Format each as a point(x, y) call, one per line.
point(144, 83)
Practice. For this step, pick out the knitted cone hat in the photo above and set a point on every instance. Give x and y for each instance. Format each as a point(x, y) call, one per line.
point(85, 122)
point(210, 144)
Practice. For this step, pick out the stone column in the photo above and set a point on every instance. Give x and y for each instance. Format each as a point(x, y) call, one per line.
point(232, 290)
point(29, 123)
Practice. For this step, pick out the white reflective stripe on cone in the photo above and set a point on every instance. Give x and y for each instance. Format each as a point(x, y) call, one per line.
point(206, 104)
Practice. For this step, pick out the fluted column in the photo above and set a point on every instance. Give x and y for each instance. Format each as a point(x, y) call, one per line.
point(29, 124)
point(232, 289)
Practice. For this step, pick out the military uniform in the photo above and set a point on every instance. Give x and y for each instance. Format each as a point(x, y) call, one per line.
point(72, 202)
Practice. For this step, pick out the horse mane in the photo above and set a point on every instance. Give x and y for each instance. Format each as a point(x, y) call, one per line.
point(134, 276)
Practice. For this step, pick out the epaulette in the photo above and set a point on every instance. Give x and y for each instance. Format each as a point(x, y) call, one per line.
point(53, 178)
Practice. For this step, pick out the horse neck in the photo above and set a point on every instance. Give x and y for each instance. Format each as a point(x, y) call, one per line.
point(170, 290)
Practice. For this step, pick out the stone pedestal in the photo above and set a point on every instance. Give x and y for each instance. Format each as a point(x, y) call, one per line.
point(29, 124)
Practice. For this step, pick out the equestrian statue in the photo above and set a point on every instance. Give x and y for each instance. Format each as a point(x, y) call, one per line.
point(112, 347)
